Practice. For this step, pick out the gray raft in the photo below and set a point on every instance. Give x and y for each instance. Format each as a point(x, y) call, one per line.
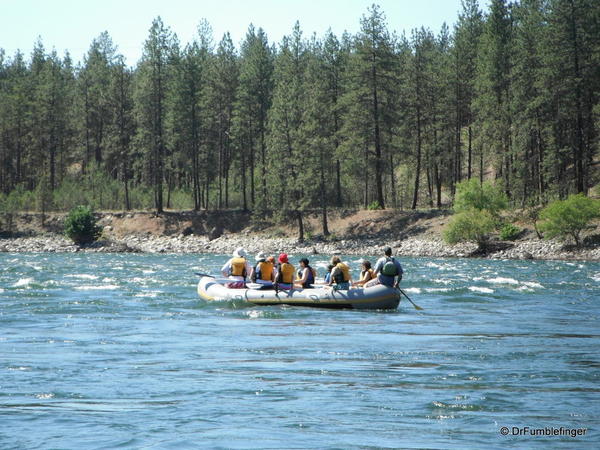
point(376, 297)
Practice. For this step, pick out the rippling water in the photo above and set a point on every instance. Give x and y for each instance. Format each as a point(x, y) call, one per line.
point(118, 351)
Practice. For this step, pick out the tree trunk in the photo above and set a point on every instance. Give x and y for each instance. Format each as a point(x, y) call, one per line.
point(378, 168)
point(323, 193)
point(438, 185)
point(393, 181)
point(338, 183)
point(470, 153)
point(366, 169)
point(418, 168)
point(244, 181)
point(578, 150)
point(263, 163)
point(300, 227)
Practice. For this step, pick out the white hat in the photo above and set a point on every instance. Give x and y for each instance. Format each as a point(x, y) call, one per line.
point(239, 252)
point(260, 255)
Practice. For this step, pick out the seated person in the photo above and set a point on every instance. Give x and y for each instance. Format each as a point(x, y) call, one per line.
point(285, 273)
point(237, 269)
point(366, 274)
point(306, 275)
point(340, 274)
point(328, 274)
point(264, 271)
point(388, 271)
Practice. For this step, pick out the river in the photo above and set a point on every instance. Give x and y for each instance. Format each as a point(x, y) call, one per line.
point(117, 350)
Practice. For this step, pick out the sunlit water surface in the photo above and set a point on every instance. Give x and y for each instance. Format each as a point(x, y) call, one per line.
point(117, 350)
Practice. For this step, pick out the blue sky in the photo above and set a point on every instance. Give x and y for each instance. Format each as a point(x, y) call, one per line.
point(72, 25)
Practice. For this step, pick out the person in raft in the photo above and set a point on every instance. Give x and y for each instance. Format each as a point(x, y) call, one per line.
point(237, 269)
point(264, 271)
point(328, 274)
point(285, 273)
point(340, 274)
point(388, 270)
point(306, 275)
point(366, 273)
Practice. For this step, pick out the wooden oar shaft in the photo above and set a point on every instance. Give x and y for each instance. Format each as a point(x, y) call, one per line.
point(417, 307)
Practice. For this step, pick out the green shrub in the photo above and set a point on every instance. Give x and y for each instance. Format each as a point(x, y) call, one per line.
point(470, 226)
point(181, 199)
point(80, 225)
point(470, 194)
point(374, 206)
point(568, 218)
point(43, 195)
point(509, 232)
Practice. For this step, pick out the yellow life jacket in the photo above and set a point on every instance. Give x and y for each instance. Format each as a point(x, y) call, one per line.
point(367, 275)
point(286, 274)
point(264, 271)
point(238, 267)
point(345, 276)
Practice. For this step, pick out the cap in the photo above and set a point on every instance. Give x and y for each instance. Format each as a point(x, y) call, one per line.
point(239, 252)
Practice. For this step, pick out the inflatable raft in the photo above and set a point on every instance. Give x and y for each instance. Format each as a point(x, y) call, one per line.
point(376, 297)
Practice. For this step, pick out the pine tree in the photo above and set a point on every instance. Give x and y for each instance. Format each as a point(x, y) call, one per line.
point(15, 104)
point(94, 81)
point(253, 101)
point(334, 64)
point(492, 103)
point(467, 34)
point(573, 41)
point(122, 128)
point(530, 100)
point(150, 96)
point(370, 75)
point(286, 140)
point(225, 73)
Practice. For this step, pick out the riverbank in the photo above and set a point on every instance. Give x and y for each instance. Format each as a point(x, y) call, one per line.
point(414, 233)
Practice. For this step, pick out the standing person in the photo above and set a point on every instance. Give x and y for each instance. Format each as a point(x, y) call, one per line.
point(366, 274)
point(285, 273)
point(340, 274)
point(306, 275)
point(388, 270)
point(264, 271)
point(237, 269)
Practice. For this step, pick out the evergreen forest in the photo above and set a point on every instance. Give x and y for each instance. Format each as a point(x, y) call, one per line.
point(376, 119)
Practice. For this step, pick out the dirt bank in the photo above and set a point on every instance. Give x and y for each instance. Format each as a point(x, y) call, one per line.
point(411, 233)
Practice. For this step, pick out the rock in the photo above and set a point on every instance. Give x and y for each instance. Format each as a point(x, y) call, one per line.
point(215, 233)
point(187, 231)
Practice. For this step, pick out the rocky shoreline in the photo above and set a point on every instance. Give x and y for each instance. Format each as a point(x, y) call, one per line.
point(353, 232)
point(419, 246)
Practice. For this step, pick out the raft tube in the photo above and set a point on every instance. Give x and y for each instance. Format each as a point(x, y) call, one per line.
point(376, 297)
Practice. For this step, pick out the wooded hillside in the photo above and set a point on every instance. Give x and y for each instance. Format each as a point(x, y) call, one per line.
point(377, 119)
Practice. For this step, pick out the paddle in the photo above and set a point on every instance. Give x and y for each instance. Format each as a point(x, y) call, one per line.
point(204, 275)
point(417, 307)
point(227, 280)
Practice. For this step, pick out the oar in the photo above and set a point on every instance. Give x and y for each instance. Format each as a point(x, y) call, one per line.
point(204, 275)
point(417, 307)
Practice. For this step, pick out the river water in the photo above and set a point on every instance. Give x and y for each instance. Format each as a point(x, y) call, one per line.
point(117, 350)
